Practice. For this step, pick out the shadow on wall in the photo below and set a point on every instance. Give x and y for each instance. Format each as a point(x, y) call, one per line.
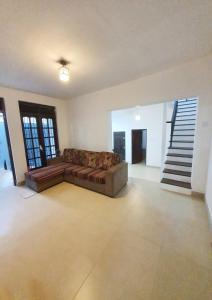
point(4, 154)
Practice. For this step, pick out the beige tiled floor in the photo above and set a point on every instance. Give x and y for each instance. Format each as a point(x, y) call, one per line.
point(69, 243)
point(141, 171)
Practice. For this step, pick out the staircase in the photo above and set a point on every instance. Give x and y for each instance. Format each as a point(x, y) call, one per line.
point(178, 164)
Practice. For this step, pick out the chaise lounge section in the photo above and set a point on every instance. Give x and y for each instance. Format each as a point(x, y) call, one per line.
point(102, 172)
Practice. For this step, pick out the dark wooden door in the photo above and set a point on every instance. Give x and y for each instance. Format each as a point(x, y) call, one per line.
point(119, 143)
point(136, 146)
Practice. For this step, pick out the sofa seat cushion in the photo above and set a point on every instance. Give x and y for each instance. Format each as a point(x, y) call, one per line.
point(97, 176)
point(71, 168)
point(78, 171)
point(83, 173)
point(46, 173)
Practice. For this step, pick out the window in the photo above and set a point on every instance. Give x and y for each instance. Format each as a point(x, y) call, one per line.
point(32, 142)
point(40, 133)
point(49, 137)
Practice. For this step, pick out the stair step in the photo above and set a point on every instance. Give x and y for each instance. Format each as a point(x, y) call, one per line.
point(187, 101)
point(180, 155)
point(176, 141)
point(190, 115)
point(185, 111)
point(178, 163)
point(184, 129)
point(187, 104)
point(184, 105)
point(186, 185)
point(184, 124)
point(180, 120)
point(180, 151)
point(183, 135)
point(180, 138)
point(181, 148)
point(177, 172)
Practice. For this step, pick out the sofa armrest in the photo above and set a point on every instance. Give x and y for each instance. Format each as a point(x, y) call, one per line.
point(116, 178)
point(54, 161)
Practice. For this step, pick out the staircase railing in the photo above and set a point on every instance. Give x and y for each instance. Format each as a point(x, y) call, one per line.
point(172, 122)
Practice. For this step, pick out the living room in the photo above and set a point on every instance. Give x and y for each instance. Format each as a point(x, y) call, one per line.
point(73, 224)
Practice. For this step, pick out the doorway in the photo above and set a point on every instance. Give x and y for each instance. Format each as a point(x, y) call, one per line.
point(143, 127)
point(119, 143)
point(40, 133)
point(139, 145)
point(7, 170)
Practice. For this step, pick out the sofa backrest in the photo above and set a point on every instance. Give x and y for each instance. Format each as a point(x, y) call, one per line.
point(91, 159)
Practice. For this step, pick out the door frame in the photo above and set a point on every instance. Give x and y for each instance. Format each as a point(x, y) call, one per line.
point(8, 140)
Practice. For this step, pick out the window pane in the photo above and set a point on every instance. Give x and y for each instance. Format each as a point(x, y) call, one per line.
point(51, 132)
point(29, 143)
point(26, 122)
point(44, 122)
point(46, 141)
point(33, 122)
point(34, 133)
point(48, 151)
point(50, 123)
point(30, 154)
point(45, 132)
point(53, 150)
point(27, 133)
point(38, 162)
point(36, 143)
point(37, 152)
point(32, 164)
point(52, 141)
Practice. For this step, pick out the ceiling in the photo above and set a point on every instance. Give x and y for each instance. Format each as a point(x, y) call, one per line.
point(107, 41)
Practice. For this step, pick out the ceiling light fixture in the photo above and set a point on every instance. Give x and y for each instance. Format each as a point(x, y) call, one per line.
point(64, 73)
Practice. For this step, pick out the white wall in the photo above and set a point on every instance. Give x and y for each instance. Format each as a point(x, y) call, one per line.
point(89, 124)
point(208, 195)
point(11, 98)
point(151, 118)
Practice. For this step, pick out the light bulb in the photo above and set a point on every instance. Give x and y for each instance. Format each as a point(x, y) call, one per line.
point(64, 73)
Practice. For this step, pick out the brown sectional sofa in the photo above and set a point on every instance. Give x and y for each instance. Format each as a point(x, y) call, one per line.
point(102, 172)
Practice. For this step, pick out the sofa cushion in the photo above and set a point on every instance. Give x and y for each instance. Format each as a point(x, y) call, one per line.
point(68, 171)
point(74, 156)
point(97, 176)
point(109, 159)
point(46, 173)
point(45, 176)
point(92, 159)
point(75, 171)
point(83, 174)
